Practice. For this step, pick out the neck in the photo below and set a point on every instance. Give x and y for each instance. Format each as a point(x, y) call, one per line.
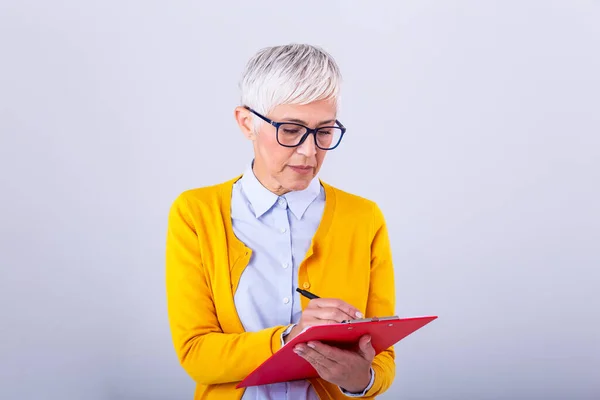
point(268, 181)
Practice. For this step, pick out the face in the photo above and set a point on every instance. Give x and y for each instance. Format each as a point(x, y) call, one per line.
point(283, 169)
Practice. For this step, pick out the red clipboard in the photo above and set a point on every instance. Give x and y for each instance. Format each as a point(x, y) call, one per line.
point(285, 365)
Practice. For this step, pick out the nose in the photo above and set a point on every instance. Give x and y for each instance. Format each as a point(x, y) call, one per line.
point(308, 148)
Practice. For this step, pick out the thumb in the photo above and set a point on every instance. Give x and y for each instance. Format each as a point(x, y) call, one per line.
point(366, 348)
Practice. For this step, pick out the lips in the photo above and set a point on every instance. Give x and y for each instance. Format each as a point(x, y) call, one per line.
point(302, 169)
point(302, 166)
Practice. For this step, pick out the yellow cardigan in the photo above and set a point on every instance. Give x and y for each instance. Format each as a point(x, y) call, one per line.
point(349, 258)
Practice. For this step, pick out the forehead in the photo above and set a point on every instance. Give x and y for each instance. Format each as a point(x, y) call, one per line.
point(313, 113)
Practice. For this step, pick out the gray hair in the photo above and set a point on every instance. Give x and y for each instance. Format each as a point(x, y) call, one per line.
point(289, 74)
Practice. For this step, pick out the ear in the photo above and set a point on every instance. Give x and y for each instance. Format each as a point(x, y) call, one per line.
point(244, 119)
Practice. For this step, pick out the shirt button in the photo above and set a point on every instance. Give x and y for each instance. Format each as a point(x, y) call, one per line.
point(285, 265)
point(283, 230)
point(306, 285)
point(282, 202)
point(286, 300)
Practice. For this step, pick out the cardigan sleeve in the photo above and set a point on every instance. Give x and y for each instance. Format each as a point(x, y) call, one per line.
point(207, 354)
point(381, 300)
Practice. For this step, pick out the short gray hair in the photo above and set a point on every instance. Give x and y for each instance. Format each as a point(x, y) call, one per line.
point(289, 74)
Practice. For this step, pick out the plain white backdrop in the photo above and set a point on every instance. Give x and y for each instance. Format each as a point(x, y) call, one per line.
point(474, 124)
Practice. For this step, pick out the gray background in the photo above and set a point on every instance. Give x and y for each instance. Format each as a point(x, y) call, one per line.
point(474, 124)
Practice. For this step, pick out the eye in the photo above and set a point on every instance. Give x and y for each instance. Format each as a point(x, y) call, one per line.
point(325, 132)
point(291, 130)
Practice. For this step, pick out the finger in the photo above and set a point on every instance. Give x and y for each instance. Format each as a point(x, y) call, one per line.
point(321, 316)
point(317, 359)
point(344, 307)
point(332, 313)
point(334, 354)
point(323, 372)
point(365, 348)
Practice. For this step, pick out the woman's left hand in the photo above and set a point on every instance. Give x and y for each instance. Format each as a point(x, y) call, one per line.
point(350, 370)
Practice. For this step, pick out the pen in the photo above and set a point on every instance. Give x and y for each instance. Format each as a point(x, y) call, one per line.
point(307, 294)
point(311, 296)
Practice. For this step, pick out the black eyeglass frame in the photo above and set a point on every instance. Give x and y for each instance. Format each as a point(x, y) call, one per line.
point(308, 130)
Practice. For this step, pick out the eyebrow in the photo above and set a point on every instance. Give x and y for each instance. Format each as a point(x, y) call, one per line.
point(301, 122)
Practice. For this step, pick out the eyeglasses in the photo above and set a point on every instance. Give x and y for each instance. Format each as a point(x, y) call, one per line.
point(290, 134)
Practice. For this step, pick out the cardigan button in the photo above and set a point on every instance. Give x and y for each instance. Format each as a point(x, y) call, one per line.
point(306, 285)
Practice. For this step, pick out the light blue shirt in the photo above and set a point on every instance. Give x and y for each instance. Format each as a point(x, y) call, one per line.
point(279, 230)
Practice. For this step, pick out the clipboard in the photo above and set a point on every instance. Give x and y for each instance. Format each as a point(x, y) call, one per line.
point(285, 365)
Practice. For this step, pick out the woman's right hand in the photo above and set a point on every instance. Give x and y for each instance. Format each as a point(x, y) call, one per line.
point(323, 311)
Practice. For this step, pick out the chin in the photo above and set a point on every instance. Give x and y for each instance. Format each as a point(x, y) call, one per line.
point(294, 181)
point(298, 184)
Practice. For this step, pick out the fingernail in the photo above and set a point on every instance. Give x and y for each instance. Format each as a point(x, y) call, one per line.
point(369, 340)
point(358, 314)
point(312, 346)
point(297, 350)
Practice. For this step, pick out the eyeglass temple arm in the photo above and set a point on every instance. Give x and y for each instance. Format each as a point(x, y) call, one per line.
point(276, 124)
point(262, 116)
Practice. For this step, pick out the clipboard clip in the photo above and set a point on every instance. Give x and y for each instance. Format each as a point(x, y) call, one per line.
point(373, 319)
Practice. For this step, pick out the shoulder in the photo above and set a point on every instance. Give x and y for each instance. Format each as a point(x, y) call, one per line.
point(344, 198)
point(210, 196)
point(353, 205)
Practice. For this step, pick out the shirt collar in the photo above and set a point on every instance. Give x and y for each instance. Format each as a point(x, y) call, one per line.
point(261, 199)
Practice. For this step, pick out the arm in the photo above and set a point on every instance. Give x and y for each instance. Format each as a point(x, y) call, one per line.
point(360, 373)
point(207, 354)
point(381, 300)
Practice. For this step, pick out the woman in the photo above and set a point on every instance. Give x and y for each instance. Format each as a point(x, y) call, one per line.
point(237, 251)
